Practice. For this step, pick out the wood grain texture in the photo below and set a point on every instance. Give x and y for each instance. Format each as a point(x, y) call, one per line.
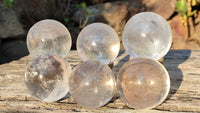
point(183, 67)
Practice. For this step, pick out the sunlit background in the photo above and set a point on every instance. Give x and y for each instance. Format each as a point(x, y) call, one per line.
point(17, 16)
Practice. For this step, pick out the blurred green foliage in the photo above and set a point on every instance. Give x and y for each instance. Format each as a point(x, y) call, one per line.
point(66, 20)
point(83, 5)
point(186, 8)
point(9, 3)
point(182, 8)
point(61, 10)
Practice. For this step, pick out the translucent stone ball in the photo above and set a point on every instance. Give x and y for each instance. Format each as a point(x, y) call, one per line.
point(49, 36)
point(47, 78)
point(98, 41)
point(147, 35)
point(92, 84)
point(143, 83)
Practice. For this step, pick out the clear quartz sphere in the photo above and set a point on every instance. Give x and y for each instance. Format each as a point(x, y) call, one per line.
point(98, 41)
point(143, 83)
point(49, 36)
point(147, 35)
point(47, 77)
point(92, 84)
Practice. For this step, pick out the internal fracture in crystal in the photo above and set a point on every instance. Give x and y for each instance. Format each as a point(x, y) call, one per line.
point(49, 36)
point(47, 78)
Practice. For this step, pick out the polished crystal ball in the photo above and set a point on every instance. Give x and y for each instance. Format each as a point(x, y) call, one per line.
point(143, 83)
point(49, 36)
point(98, 41)
point(147, 35)
point(92, 84)
point(47, 77)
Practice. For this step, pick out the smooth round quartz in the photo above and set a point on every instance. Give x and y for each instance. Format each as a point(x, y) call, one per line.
point(47, 78)
point(99, 42)
point(143, 83)
point(49, 36)
point(147, 35)
point(92, 84)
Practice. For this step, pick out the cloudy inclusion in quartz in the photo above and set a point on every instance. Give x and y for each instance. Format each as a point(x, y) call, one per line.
point(49, 36)
point(92, 84)
point(143, 83)
point(147, 35)
point(98, 41)
point(47, 78)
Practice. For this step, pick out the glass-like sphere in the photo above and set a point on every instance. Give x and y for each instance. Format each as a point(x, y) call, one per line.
point(92, 84)
point(49, 36)
point(98, 41)
point(147, 35)
point(47, 78)
point(143, 83)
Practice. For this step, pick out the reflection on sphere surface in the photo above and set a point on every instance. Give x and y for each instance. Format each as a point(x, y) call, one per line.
point(147, 35)
point(99, 42)
point(92, 84)
point(49, 36)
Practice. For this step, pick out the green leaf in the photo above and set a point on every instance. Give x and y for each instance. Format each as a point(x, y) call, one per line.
point(9, 3)
point(87, 11)
point(181, 7)
point(83, 5)
point(192, 13)
point(66, 20)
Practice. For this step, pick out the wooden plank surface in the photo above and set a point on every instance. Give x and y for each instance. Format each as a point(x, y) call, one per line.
point(182, 65)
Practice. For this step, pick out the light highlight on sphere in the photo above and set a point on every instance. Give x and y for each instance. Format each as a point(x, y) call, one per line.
point(47, 78)
point(99, 42)
point(147, 34)
point(49, 36)
point(92, 84)
point(143, 83)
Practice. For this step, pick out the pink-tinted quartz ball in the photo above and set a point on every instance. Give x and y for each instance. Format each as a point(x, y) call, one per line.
point(143, 83)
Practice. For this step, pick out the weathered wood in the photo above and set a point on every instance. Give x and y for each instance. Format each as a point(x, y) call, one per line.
point(182, 65)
